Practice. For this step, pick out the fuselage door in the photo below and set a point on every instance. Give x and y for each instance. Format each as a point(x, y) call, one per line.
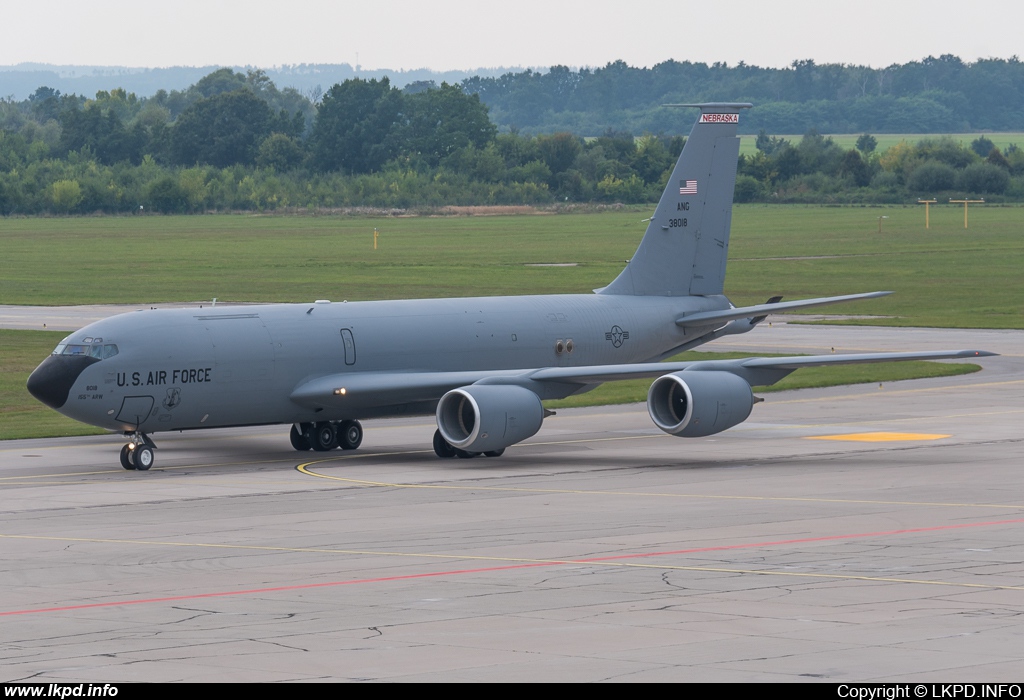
point(349, 341)
point(135, 410)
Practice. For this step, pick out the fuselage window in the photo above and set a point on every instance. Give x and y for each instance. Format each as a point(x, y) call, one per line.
point(100, 352)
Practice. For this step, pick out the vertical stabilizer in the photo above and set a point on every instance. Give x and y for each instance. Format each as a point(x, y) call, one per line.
point(686, 244)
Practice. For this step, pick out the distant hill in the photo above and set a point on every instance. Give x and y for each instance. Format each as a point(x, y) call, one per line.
point(22, 80)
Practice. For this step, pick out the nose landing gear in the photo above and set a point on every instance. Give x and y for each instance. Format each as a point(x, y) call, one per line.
point(137, 454)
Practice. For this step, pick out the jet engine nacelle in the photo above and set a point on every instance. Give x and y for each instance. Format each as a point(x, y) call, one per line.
point(697, 403)
point(484, 417)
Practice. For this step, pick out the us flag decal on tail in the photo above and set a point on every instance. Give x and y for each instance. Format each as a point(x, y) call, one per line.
point(687, 187)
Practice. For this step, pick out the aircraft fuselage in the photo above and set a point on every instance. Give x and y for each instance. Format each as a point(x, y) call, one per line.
point(179, 369)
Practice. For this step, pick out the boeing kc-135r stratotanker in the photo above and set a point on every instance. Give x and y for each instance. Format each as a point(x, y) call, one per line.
point(481, 365)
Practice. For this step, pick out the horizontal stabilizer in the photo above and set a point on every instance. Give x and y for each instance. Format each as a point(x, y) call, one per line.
point(713, 318)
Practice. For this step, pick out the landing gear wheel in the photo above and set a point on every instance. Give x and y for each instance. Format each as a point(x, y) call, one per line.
point(441, 447)
point(462, 454)
point(143, 457)
point(300, 438)
point(495, 453)
point(126, 458)
point(350, 434)
point(324, 437)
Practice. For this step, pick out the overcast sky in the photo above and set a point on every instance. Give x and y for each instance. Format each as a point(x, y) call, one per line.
point(458, 34)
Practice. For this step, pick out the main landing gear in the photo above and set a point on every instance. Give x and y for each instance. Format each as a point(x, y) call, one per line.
point(326, 435)
point(444, 449)
point(138, 453)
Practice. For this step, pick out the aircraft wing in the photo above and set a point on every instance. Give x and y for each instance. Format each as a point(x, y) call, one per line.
point(752, 367)
point(711, 318)
point(387, 388)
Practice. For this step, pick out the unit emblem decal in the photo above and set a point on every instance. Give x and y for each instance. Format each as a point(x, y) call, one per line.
point(172, 399)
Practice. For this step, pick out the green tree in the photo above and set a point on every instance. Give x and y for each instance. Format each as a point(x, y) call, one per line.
point(767, 144)
point(983, 178)
point(946, 150)
point(559, 151)
point(355, 125)
point(996, 157)
point(223, 130)
point(65, 195)
point(219, 82)
point(866, 143)
point(652, 159)
point(747, 189)
point(280, 152)
point(166, 195)
point(440, 122)
point(854, 167)
point(102, 133)
point(982, 146)
point(45, 103)
point(932, 176)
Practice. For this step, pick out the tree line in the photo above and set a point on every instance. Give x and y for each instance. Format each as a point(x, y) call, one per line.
point(235, 141)
point(816, 170)
point(934, 95)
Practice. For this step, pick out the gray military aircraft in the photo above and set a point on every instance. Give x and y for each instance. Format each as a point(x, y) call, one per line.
point(480, 365)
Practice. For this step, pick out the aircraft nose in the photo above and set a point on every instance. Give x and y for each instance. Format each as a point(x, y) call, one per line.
point(52, 380)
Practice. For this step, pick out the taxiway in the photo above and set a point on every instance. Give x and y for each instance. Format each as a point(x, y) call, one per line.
point(858, 533)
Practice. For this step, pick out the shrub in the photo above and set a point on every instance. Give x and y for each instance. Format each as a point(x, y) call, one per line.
point(984, 178)
point(932, 176)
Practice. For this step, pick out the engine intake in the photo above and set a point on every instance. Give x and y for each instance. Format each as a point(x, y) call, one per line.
point(698, 403)
point(482, 417)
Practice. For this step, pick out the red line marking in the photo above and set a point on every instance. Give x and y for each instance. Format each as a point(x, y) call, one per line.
point(507, 567)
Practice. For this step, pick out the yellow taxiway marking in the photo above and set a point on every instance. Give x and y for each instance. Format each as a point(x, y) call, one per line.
point(879, 437)
point(524, 561)
point(305, 469)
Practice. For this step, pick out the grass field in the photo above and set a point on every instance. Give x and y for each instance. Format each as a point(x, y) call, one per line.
point(943, 277)
point(886, 141)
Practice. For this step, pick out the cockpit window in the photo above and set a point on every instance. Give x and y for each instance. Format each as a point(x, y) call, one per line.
point(100, 352)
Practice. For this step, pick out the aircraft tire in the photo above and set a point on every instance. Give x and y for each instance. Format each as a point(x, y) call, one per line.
point(126, 458)
point(495, 453)
point(462, 454)
point(143, 457)
point(324, 437)
point(350, 434)
point(300, 439)
point(441, 447)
